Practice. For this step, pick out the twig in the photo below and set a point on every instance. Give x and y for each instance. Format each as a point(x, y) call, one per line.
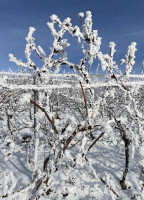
point(74, 134)
point(49, 119)
point(81, 20)
point(96, 140)
point(69, 140)
point(127, 143)
point(110, 188)
point(85, 101)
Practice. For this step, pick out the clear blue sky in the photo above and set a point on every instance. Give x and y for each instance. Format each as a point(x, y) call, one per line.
point(121, 21)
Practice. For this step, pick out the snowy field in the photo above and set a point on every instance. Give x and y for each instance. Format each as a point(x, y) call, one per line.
point(88, 165)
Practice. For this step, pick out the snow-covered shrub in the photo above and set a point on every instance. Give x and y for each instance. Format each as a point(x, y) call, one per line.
point(74, 140)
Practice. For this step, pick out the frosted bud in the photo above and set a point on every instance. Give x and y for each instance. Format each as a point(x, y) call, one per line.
point(41, 51)
point(112, 45)
point(54, 17)
point(81, 14)
point(95, 32)
point(112, 48)
point(67, 20)
point(122, 61)
point(88, 14)
point(31, 31)
point(11, 57)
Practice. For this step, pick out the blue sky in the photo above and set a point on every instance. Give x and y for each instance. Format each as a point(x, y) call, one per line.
point(121, 21)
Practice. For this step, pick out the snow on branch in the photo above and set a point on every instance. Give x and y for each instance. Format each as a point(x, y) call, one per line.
point(130, 56)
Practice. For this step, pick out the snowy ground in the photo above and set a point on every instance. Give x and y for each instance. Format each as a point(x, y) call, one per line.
point(106, 160)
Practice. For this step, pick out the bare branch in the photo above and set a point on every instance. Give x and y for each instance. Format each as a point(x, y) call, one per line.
point(69, 140)
point(97, 139)
point(49, 119)
point(85, 101)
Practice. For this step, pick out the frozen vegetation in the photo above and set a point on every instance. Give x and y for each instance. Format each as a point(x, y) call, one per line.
point(73, 137)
